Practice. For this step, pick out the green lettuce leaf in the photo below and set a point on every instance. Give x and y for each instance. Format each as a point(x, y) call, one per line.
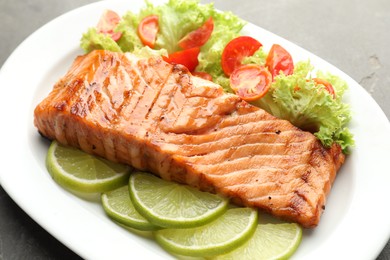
point(176, 19)
point(129, 40)
point(92, 40)
point(146, 52)
point(258, 57)
point(309, 106)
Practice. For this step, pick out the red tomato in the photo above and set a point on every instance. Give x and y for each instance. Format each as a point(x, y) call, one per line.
point(107, 23)
point(278, 60)
point(326, 85)
point(236, 50)
point(203, 75)
point(198, 37)
point(250, 81)
point(148, 29)
point(188, 58)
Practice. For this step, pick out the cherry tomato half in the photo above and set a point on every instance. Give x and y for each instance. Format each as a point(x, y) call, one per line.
point(278, 60)
point(107, 23)
point(236, 50)
point(148, 29)
point(326, 85)
point(203, 75)
point(251, 81)
point(198, 37)
point(188, 58)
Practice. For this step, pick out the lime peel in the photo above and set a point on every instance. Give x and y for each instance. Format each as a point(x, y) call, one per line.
point(222, 235)
point(270, 241)
point(78, 171)
point(118, 206)
point(172, 205)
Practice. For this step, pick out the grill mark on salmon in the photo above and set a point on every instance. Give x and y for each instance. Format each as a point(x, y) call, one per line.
point(239, 130)
point(157, 117)
point(255, 161)
point(226, 142)
point(249, 149)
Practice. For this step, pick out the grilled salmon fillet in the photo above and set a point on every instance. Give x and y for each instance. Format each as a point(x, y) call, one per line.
point(158, 117)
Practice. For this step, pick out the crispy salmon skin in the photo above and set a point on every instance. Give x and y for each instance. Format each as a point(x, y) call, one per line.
point(158, 117)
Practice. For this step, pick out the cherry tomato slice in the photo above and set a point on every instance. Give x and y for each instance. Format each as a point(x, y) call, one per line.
point(251, 81)
point(278, 60)
point(236, 50)
point(203, 75)
point(107, 23)
point(198, 37)
point(188, 58)
point(148, 29)
point(326, 85)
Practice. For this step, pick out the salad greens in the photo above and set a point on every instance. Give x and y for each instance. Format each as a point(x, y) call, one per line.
point(93, 40)
point(298, 99)
point(294, 97)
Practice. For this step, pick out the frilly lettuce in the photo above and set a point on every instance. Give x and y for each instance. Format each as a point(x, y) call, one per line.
point(310, 107)
point(129, 40)
point(257, 58)
point(146, 52)
point(92, 40)
point(176, 19)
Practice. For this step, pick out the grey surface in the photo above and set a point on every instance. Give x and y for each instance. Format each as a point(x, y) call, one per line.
point(352, 35)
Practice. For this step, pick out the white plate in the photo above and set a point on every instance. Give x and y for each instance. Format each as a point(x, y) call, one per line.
point(356, 222)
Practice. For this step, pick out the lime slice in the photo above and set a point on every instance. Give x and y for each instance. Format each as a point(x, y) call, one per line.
point(81, 172)
point(222, 235)
point(168, 204)
point(270, 241)
point(118, 206)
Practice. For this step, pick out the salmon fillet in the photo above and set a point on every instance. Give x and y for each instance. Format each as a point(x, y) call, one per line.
point(158, 117)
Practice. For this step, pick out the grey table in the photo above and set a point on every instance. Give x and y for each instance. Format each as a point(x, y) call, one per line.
point(352, 35)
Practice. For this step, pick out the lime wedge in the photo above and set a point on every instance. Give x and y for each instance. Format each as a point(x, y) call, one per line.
point(81, 172)
point(270, 241)
point(118, 206)
point(222, 235)
point(168, 204)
